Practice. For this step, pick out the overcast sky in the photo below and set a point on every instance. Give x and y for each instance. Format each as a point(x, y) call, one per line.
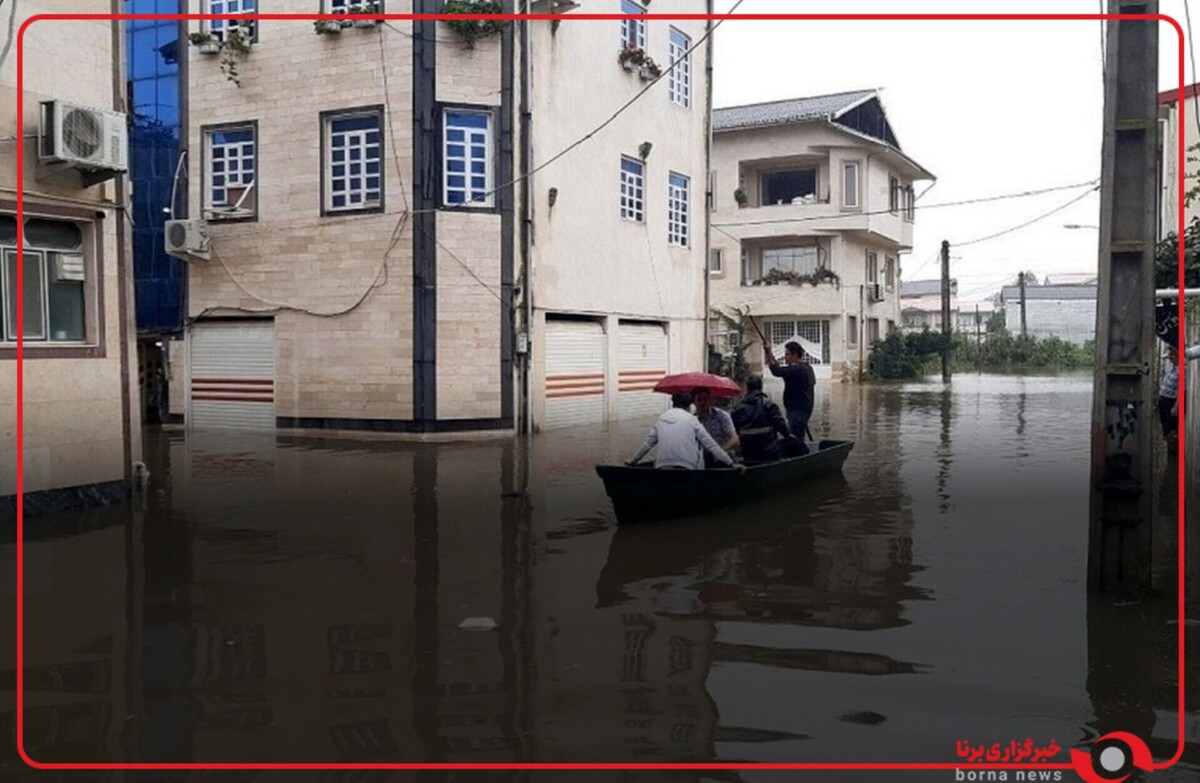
point(990, 108)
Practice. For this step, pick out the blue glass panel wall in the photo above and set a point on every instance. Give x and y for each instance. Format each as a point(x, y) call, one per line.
point(153, 79)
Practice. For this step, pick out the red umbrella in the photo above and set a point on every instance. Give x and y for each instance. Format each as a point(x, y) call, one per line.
point(717, 385)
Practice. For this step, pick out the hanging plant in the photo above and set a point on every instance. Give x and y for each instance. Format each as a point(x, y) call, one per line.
point(741, 197)
point(233, 49)
point(329, 26)
point(471, 30)
point(632, 57)
point(363, 10)
point(778, 276)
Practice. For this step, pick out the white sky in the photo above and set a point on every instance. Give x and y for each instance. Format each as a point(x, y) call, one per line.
point(989, 107)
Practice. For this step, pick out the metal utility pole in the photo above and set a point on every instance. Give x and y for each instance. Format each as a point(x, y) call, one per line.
point(945, 312)
point(1119, 537)
point(1021, 282)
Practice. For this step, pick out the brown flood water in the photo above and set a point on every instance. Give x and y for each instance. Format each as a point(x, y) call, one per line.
point(297, 600)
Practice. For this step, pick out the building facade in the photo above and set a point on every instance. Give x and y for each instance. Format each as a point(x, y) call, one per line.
point(396, 247)
point(155, 79)
point(814, 206)
point(1067, 312)
point(79, 415)
point(1171, 168)
point(921, 305)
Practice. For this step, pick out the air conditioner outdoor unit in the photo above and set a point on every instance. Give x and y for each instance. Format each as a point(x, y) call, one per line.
point(187, 239)
point(84, 138)
point(68, 268)
point(875, 292)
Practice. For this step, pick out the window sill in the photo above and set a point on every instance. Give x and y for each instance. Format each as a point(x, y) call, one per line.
point(356, 212)
point(43, 350)
point(212, 217)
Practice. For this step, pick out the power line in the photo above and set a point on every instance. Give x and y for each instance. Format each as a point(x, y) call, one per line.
point(590, 134)
point(1027, 223)
point(1003, 197)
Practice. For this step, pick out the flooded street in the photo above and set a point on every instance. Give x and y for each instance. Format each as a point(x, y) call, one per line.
point(298, 600)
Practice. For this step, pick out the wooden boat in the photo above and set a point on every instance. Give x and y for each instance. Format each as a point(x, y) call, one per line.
point(642, 493)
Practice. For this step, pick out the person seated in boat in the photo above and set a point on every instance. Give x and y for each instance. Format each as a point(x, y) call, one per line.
point(761, 426)
point(682, 441)
point(716, 422)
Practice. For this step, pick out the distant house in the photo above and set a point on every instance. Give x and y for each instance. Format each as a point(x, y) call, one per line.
point(921, 305)
point(972, 317)
point(1071, 278)
point(1064, 311)
point(814, 207)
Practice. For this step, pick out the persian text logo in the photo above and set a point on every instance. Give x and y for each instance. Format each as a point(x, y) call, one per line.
point(1014, 752)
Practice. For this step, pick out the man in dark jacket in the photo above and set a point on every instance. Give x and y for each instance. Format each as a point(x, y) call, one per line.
point(760, 425)
point(799, 382)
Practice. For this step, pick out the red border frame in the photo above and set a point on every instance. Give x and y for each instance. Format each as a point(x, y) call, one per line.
point(801, 17)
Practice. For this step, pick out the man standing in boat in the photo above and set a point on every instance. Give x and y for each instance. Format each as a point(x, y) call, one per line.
point(682, 441)
point(799, 382)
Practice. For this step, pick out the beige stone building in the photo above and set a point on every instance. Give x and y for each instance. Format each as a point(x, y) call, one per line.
point(393, 244)
point(80, 427)
point(814, 209)
point(1170, 128)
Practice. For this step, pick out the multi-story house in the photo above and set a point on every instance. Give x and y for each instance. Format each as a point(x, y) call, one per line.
point(814, 205)
point(921, 304)
point(76, 321)
point(418, 226)
point(1067, 312)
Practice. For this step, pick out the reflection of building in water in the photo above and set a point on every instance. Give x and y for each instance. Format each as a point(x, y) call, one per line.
point(326, 585)
point(77, 644)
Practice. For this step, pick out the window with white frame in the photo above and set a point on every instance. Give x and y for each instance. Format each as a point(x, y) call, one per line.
point(678, 210)
point(467, 159)
point(894, 194)
point(716, 261)
point(813, 336)
point(850, 198)
point(219, 28)
point(910, 204)
point(889, 273)
point(633, 189)
point(793, 260)
point(353, 161)
point(679, 85)
point(872, 267)
point(231, 180)
point(351, 6)
point(633, 30)
point(54, 274)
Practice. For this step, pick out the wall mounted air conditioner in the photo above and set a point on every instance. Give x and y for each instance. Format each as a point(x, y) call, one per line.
point(68, 268)
point(875, 292)
point(187, 239)
point(93, 140)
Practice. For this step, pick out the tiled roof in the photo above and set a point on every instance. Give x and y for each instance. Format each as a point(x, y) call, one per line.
point(759, 115)
point(1057, 292)
point(925, 288)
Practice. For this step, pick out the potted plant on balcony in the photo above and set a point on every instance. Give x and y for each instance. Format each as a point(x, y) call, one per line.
point(362, 11)
point(649, 70)
point(741, 197)
point(205, 43)
point(330, 26)
point(471, 30)
point(631, 57)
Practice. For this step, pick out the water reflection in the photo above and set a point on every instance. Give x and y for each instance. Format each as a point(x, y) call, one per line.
point(301, 600)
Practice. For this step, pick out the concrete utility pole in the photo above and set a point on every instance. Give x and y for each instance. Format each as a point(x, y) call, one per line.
point(945, 312)
point(979, 337)
point(1021, 282)
point(1119, 543)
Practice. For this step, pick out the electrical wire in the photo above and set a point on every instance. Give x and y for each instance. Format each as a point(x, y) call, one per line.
point(967, 202)
point(613, 118)
point(1027, 223)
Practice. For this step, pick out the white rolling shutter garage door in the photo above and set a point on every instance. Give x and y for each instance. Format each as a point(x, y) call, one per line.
point(574, 373)
point(233, 376)
point(643, 352)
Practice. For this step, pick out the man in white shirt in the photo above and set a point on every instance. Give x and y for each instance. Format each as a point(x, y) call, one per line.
point(681, 440)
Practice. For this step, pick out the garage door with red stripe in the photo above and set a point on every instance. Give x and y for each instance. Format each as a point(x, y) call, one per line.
point(232, 376)
point(643, 363)
point(574, 373)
